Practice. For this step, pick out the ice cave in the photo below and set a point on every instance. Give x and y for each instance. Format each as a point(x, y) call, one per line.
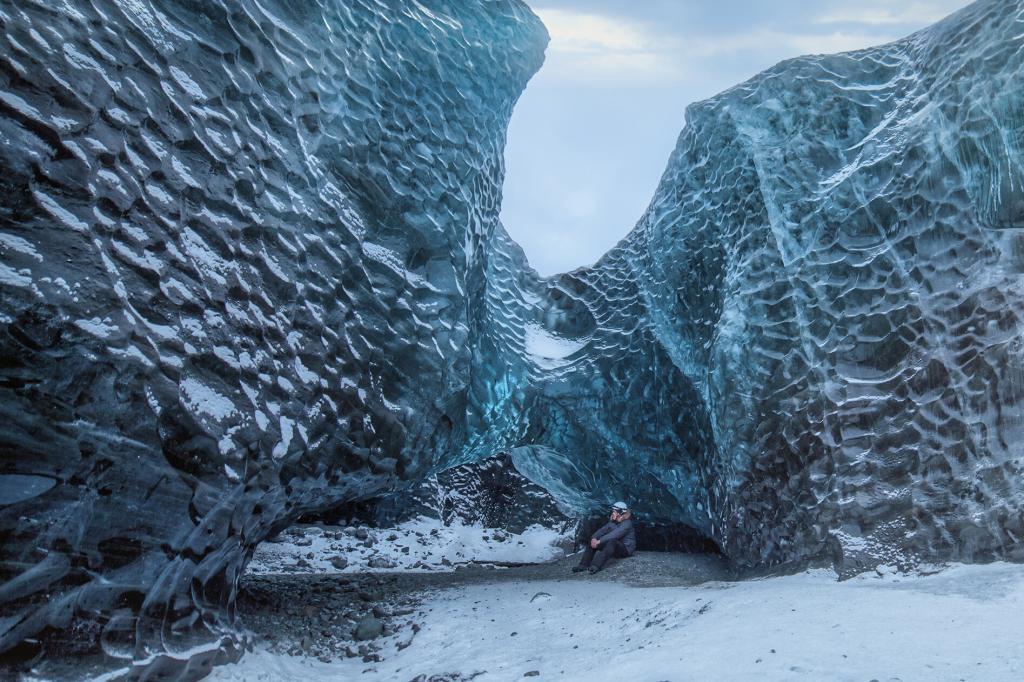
point(251, 270)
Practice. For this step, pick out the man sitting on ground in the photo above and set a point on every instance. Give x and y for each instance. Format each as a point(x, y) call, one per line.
point(614, 539)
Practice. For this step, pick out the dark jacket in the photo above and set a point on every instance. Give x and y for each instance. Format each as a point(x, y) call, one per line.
point(621, 530)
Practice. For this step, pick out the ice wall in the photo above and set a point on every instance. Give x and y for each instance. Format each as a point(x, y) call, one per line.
point(811, 343)
point(844, 290)
point(251, 268)
point(243, 247)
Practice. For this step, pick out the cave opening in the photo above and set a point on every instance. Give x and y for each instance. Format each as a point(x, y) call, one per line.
point(480, 514)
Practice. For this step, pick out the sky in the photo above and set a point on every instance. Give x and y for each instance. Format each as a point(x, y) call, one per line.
point(592, 133)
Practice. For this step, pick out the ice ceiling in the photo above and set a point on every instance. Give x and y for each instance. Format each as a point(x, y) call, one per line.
point(252, 267)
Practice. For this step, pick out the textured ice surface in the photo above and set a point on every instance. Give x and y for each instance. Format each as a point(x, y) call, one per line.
point(251, 268)
point(244, 259)
point(844, 294)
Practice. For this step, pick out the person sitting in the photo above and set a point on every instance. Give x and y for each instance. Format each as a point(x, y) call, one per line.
point(617, 538)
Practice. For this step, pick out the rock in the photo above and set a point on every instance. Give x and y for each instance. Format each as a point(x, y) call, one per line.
point(500, 536)
point(567, 544)
point(381, 562)
point(362, 534)
point(339, 562)
point(532, 673)
point(370, 627)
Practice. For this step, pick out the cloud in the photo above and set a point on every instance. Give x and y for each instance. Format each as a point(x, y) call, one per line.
point(783, 44)
point(914, 13)
point(583, 32)
point(594, 46)
point(590, 47)
point(833, 42)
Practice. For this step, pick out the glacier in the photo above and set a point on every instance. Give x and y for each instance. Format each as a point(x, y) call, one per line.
point(252, 269)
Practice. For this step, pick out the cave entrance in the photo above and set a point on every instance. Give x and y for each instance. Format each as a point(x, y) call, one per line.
point(656, 536)
point(358, 569)
point(482, 514)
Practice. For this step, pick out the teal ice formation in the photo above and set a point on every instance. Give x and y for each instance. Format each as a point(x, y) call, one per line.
point(252, 268)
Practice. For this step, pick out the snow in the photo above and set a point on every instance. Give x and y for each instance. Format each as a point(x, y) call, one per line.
point(13, 243)
point(383, 255)
point(53, 207)
point(281, 449)
point(200, 398)
point(15, 278)
point(187, 84)
point(432, 546)
point(961, 624)
point(207, 260)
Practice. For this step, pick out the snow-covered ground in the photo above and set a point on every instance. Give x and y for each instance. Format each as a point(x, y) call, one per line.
point(422, 544)
point(965, 623)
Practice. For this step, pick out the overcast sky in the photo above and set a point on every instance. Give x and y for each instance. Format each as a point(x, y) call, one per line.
point(591, 135)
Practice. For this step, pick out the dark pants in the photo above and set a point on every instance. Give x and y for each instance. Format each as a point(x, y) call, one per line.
point(605, 551)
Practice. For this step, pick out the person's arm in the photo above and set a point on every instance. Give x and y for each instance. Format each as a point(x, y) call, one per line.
point(618, 532)
point(601, 532)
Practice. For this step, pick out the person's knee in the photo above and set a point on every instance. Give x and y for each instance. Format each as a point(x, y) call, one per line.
point(621, 551)
point(613, 548)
